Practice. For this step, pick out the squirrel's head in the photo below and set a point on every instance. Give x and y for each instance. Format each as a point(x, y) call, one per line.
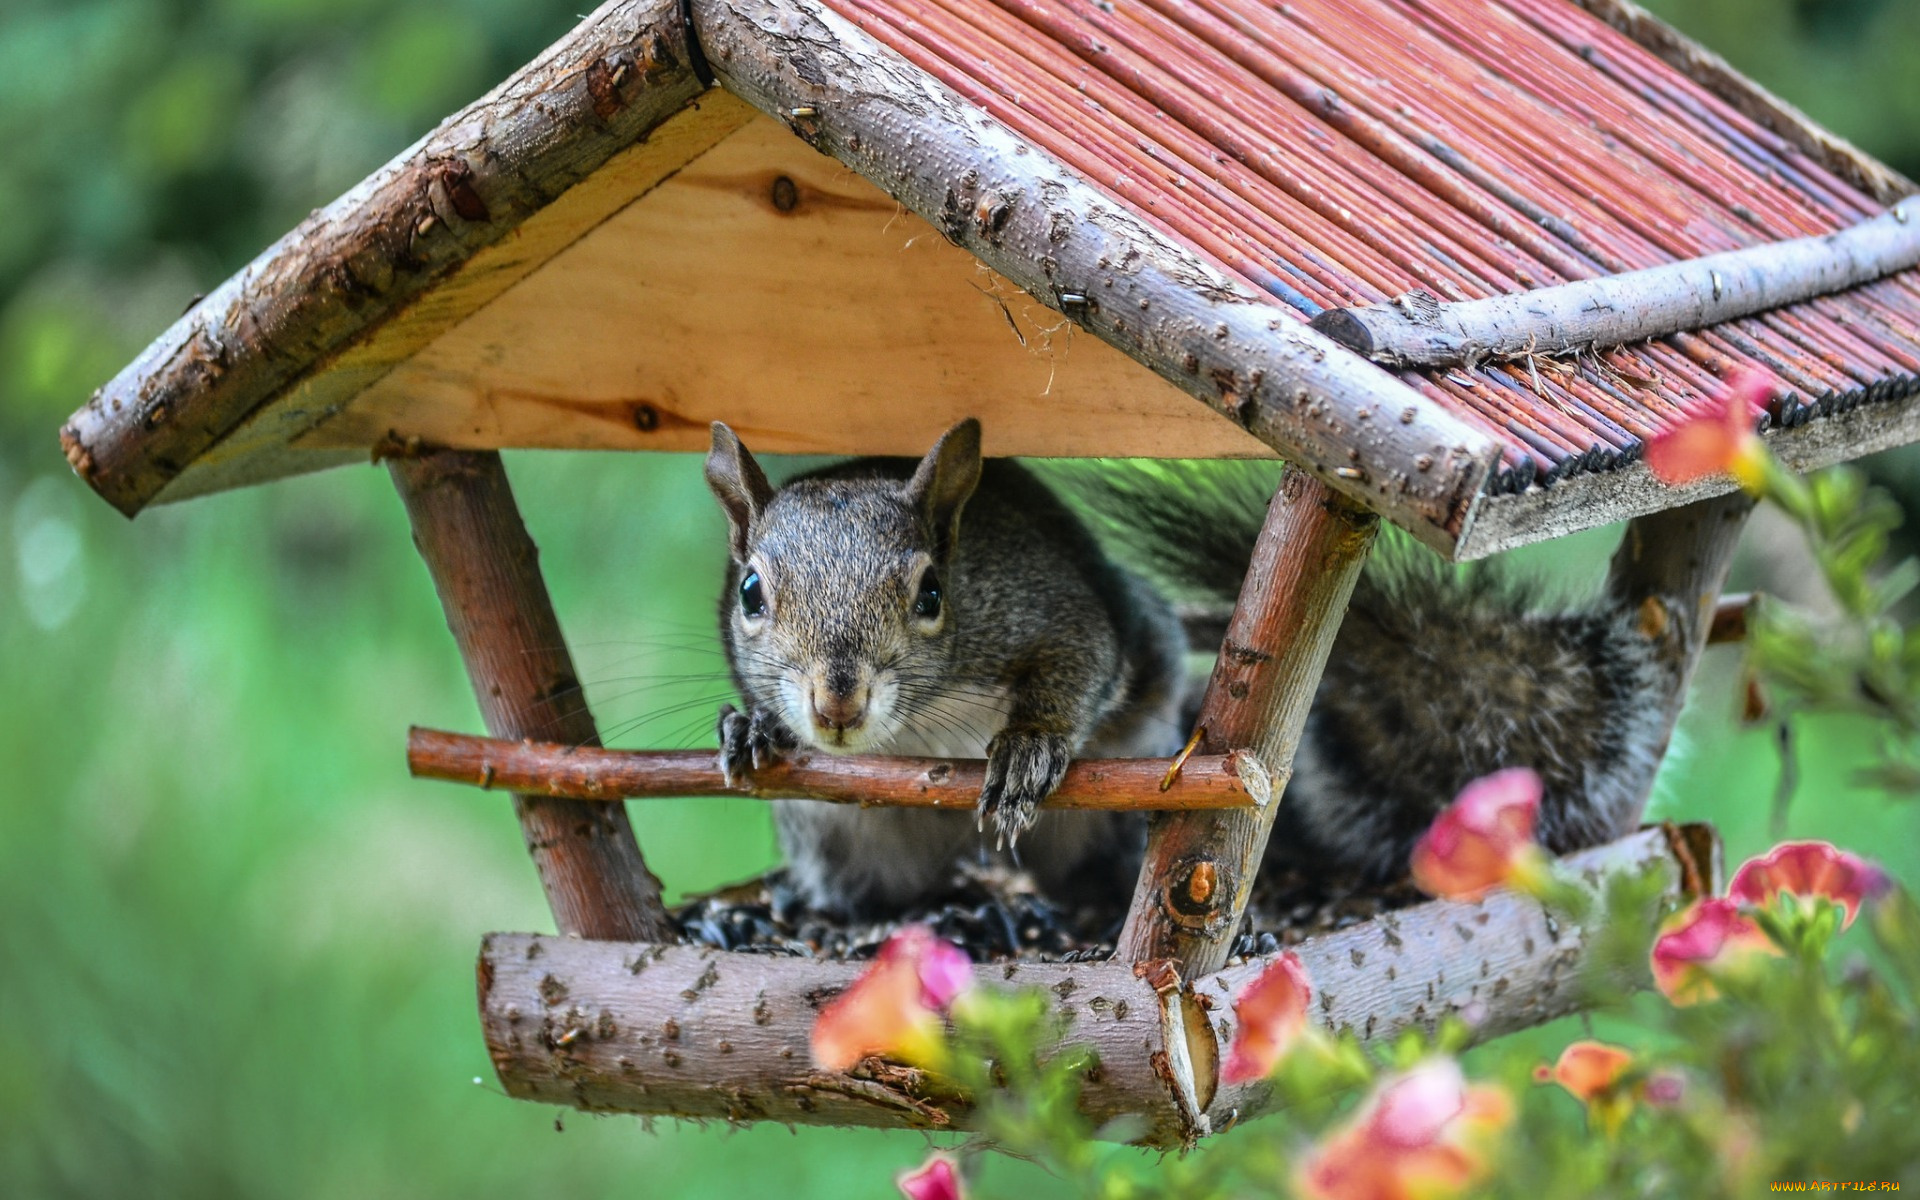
point(837, 610)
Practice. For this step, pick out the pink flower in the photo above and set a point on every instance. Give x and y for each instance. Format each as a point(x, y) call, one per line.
point(894, 1007)
point(1809, 869)
point(1483, 839)
point(1272, 1012)
point(1719, 437)
point(1664, 1089)
point(1426, 1133)
point(1707, 937)
point(936, 1179)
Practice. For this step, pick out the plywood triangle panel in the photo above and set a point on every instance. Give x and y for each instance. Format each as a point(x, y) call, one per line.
point(770, 287)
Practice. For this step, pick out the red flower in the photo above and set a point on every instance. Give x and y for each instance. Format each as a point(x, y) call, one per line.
point(1483, 839)
point(936, 1179)
point(893, 1008)
point(1426, 1133)
point(1809, 869)
point(1272, 1012)
point(1719, 437)
point(1707, 937)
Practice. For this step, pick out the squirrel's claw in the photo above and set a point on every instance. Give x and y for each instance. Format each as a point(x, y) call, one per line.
point(1022, 770)
point(768, 739)
point(750, 741)
point(735, 758)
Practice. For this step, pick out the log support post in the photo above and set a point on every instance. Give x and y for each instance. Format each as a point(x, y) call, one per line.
point(486, 570)
point(1199, 867)
point(1670, 566)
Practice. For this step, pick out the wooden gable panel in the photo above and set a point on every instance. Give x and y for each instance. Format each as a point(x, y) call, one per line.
point(768, 286)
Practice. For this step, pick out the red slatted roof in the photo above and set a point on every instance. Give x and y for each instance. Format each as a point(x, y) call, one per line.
point(1334, 153)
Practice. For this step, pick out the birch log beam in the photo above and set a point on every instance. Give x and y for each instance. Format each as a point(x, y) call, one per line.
point(351, 267)
point(1417, 330)
point(1500, 964)
point(590, 773)
point(684, 1031)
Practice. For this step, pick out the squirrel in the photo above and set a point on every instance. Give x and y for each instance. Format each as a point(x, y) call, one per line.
point(859, 616)
point(957, 607)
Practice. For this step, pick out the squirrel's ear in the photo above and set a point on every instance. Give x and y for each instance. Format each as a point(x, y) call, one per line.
point(944, 480)
point(739, 484)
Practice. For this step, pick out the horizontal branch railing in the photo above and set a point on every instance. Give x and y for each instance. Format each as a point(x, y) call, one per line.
point(691, 1031)
point(1417, 330)
point(1224, 781)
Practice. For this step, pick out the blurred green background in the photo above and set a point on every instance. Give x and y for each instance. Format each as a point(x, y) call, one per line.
point(236, 942)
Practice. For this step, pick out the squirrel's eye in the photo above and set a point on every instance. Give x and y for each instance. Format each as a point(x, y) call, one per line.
point(926, 603)
point(753, 597)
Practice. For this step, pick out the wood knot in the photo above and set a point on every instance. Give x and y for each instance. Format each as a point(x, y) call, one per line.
point(992, 212)
point(785, 194)
point(1194, 895)
point(1201, 882)
point(1654, 620)
point(603, 88)
point(456, 178)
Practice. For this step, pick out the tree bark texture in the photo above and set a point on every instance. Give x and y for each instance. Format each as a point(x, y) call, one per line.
point(351, 266)
point(1213, 782)
point(1064, 242)
point(1670, 566)
point(702, 1033)
point(1417, 330)
point(1499, 964)
point(1199, 867)
point(487, 572)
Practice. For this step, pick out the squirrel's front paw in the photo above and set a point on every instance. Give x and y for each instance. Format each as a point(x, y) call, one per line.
point(1022, 770)
point(750, 740)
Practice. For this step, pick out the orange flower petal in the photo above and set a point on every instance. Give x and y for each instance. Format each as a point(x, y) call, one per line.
point(1425, 1133)
point(1272, 1012)
point(1708, 936)
point(1589, 1069)
point(892, 1008)
point(1481, 838)
point(1716, 438)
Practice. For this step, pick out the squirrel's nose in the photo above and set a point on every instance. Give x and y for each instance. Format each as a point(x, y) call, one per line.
point(836, 710)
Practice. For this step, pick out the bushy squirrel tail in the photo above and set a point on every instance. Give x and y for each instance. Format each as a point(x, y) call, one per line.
point(1438, 675)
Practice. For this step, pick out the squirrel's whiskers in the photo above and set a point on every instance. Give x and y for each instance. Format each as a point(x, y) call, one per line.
point(902, 629)
point(953, 607)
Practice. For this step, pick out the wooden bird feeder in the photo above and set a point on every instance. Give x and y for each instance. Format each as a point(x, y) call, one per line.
point(1454, 262)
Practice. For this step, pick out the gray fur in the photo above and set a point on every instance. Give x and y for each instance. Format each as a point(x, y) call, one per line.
point(1435, 681)
point(1042, 650)
point(1047, 650)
